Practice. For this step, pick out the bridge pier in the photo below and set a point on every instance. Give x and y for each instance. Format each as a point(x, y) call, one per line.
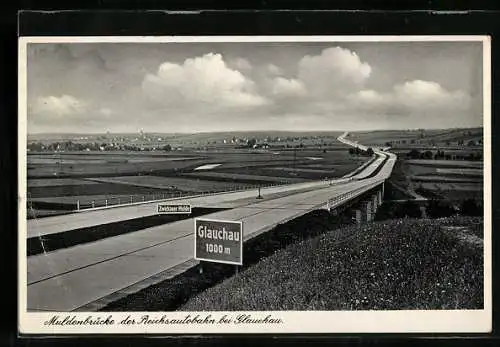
point(357, 216)
point(367, 210)
point(423, 210)
point(375, 203)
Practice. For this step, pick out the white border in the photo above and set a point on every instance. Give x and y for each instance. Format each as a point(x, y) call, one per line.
point(219, 221)
point(243, 39)
point(412, 321)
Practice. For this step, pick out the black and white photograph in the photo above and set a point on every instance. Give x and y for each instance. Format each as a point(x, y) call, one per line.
point(254, 184)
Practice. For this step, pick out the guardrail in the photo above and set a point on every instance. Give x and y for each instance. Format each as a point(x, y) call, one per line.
point(143, 199)
point(362, 167)
point(340, 199)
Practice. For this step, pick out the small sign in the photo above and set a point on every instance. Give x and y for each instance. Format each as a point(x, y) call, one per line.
point(174, 209)
point(218, 241)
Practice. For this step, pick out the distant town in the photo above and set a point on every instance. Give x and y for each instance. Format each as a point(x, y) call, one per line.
point(203, 141)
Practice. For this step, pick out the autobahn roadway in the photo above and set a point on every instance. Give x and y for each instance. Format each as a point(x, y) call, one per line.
point(99, 216)
point(39, 227)
point(87, 276)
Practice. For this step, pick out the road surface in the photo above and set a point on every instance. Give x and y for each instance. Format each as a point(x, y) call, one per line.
point(66, 279)
point(76, 277)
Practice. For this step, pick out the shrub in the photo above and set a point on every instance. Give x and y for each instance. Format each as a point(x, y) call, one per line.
point(390, 265)
point(391, 210)
point(471, 207)
point(437, 208)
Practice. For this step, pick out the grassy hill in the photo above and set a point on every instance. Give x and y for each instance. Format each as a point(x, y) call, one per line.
point(422, 137)
point(394, 264)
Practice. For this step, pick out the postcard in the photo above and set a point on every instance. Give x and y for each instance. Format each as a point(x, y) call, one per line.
point(254, 184)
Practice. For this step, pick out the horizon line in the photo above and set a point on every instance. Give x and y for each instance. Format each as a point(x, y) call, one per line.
point(250, 130)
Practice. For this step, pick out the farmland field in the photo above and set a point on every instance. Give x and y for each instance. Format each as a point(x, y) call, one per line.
point(235, 177)
point(446, 163)
point(51, 182)
point(452, 180)
point(438, 169)
point(302, 172)
point(94, 188)
point(442, 178)
point(301, 169)
point(416, 138)
point(464, 172)
point(176, 183)
point(469, 187)
point(85, 169)
point(58, 181)
point(309, 165)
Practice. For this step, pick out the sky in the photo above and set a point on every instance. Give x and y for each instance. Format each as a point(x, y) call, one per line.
point(236, 86)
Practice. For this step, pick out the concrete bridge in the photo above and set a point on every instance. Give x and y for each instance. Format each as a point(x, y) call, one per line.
point(88, 276)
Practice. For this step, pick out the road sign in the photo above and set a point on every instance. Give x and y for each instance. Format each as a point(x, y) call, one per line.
point(218, 241)
point(164, 208)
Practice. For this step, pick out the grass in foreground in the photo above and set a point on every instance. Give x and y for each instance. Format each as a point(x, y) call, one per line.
point(389, 265)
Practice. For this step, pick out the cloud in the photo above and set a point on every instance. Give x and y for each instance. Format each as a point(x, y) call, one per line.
point(202, 80)
point(426, 94)
point(412, 97)
point(273, 70)
point(170, 88)
point(241, 64)
point(333, 72)
point(105, 111)
point(287, 87)
point(53, 106)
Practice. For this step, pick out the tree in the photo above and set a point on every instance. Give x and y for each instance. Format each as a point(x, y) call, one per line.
point(409, 209)
point(251, 143)
point(427, 155)
point(369, 151)
point(437, 208)
point(471, 207)
point(351, 151)
point(414, 154)
point(167, 148)
point(439, 155)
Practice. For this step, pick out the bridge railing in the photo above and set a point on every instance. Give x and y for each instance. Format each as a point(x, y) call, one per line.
point(124, 200)
point(342, 198)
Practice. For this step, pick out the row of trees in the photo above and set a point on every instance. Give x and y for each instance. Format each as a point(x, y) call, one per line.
point(434, 208)
point(469, 143)
point(416, 154)
point(357, 151)
point(69, 146)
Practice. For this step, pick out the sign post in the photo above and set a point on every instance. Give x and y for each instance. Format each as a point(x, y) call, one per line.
point(218, 241)
point(259, 196)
